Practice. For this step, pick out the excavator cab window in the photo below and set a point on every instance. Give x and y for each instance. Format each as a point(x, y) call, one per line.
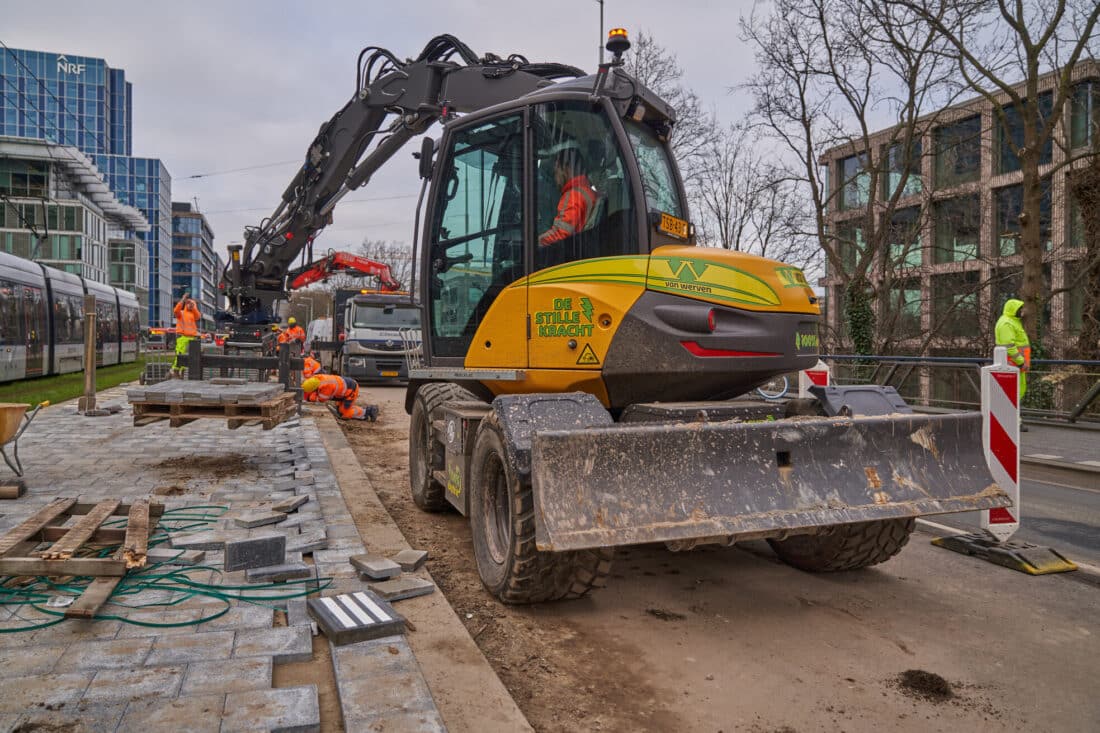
point(477, 236)
point(583, 201)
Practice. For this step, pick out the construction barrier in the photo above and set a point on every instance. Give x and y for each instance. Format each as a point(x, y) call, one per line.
point(1001, 439)
point(815, 376)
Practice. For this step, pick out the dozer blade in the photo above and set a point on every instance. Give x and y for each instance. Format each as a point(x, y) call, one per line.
point(631, 484)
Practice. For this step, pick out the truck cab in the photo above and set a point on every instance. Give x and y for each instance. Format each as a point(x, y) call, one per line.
point(378, 330)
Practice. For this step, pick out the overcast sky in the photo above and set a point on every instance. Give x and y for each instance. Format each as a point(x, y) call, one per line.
point(220, 85)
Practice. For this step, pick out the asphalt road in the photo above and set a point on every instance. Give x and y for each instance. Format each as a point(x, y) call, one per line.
point(1066, 518)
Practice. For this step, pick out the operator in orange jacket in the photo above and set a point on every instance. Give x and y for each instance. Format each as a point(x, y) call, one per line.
point(292, 332)
point(341, 390)
point(578, 199)
point(187, 328)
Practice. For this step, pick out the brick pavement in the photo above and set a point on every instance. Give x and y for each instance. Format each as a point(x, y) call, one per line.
point(115, 675)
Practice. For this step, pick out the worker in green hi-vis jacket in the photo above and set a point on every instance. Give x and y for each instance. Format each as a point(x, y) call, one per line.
point(1010, 333)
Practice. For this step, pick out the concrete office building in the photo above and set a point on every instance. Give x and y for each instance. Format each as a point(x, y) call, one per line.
point(953, 238)
point(81, 102)
point(56, 208)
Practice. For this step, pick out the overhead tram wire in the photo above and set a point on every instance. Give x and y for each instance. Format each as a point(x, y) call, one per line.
point(239, 170)
point(347, 201)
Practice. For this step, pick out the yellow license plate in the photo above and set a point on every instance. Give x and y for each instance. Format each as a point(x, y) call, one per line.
point(673, 226)
point(390, 374)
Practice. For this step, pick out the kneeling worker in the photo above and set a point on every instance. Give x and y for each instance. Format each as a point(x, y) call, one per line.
point(342, 391)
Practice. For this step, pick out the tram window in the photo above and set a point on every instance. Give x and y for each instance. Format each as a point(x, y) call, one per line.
point(34, 310)
point(10, 327)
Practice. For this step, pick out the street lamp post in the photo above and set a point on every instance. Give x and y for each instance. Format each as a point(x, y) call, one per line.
point(601, 31)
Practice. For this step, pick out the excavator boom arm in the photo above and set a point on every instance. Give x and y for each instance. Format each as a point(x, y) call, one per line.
point(395, 101)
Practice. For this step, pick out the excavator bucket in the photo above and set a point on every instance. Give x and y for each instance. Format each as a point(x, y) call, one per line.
point(637, 483)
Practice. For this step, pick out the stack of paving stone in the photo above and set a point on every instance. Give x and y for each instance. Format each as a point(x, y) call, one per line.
point(385, 574)
point(241, 402)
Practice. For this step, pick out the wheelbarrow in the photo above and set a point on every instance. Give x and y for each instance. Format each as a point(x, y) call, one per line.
point(14, 419)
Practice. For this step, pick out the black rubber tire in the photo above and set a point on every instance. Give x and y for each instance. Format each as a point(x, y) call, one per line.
point(846, 546)
point(426, 453)
point(502, 523)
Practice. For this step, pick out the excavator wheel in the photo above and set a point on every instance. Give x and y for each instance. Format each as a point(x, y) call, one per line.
point(502, 520)
point(426, 453)
point(846, 546)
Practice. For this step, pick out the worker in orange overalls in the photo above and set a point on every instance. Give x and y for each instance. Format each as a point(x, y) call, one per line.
point(341, 390)
point(578, 199)
point(292, 332)
point(310, 367)
point(187, 328)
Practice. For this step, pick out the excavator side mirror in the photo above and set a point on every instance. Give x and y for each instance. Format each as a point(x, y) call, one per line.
point(427, 152)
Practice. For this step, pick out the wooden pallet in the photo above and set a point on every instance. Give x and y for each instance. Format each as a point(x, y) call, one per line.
point(267, 414)
point(19, 557)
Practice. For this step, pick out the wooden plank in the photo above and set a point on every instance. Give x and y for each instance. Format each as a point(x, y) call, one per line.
point(94, 596)
point(93, 566)
point(137, 535)
point(102, 536)
point(33, 524)
point(156, 508)
point(84, 528)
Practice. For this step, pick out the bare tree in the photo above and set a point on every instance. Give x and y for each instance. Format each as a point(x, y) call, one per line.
point(1085, 186)
point(658, 69)
point(991, 44)
point(829, 73)
point(397, 255)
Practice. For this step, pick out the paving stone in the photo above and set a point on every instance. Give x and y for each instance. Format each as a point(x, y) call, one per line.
point(23, 693)
point(21, 661)
point(279, 573)
point(297, 614)
point(84, 717)
point(228, 675)
point(184, 616)
point(411, 560)
point(289, 504)
point(200, 714)
point(284, 710)
point(205, 540)
point(352, 617)
point(283, 644)
point(174, 556)
point(375, 567)
point(245, 616)
point(186, 648)
point(255, 552)
point(409, 721)
point(111, 654)
point(137, 682)
point(375, 682)
point(258, 518)
point(399, 589)
point(311, 541)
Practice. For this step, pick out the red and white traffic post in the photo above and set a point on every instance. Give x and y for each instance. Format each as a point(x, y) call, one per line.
point(1001, 440)
point(815, 376)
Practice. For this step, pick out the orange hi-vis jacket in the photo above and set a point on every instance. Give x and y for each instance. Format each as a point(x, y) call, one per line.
point(577, 203)
point(294, 333)
point(310, 367)
point(341, 390)
point(187, 319)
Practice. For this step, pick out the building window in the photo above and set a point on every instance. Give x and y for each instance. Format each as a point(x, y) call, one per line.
point(1011, 138)
point(850, 245)
point(898, 165)
point(1075, 303)
point(959, 152)
point(23, 177)
point(903, 237)
point(1084, 118)
point(1008, 203)
point(855, 182)
point(1076, 235)
point(904, 309)
point(955, 303)
point(958, 229)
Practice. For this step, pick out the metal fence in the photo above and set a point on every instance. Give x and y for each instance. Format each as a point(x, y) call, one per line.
point(1059, 389)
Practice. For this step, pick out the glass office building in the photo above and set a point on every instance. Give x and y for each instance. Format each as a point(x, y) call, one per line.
point(82, 102)
point(194, 262)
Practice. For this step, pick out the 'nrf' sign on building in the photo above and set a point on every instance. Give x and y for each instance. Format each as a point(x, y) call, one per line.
point(64, 66)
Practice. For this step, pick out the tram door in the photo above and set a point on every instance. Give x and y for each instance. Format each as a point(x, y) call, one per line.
point(35, 328)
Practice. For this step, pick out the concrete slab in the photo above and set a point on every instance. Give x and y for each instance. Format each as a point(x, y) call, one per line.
point(375, 567)
point(255, 552)
point(280, 573)
point(258, 518)
point(285, 710)
point(399, 589)
point(353, 617)
point(199, 714)
point(411, 560)
point(120, 685)
point(283, 644)
point(227, 675)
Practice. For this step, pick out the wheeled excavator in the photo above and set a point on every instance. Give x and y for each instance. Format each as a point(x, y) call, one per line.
point(579, 395)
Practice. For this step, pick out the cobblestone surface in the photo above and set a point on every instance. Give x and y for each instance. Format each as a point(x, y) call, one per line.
point(201, 663)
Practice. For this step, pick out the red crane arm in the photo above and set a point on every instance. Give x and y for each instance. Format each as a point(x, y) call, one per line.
point(343, 262)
